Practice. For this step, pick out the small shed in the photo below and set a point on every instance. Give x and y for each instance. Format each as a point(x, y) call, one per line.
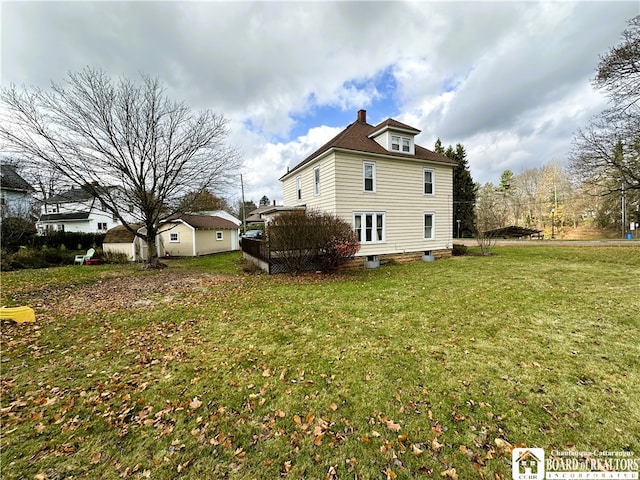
point(121, 240)
point(190, 235)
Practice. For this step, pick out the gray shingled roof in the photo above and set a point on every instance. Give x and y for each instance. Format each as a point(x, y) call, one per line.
point(10, 180)
point(53, 217)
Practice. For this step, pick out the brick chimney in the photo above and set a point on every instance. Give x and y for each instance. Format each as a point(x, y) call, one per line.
point(362, 116)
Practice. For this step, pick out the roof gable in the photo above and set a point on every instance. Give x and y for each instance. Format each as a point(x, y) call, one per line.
point(121, 234)
point(75, 195)
point(205, 221)
point(11, 180)
point(358, 137)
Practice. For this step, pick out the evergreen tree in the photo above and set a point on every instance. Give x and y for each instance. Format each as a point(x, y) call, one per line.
point(464, 190)
point(264, 201)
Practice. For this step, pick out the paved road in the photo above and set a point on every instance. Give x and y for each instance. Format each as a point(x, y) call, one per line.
point(470, 242)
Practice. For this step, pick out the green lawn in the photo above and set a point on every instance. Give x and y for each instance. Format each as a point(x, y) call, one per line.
point(407, 371)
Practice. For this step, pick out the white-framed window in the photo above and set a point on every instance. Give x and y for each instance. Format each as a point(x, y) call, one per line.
point(369, 226)
point(369, 176)
point(299, 187)
point(102, 226)
point(400, 144)
point(219, 236)
point(428, 180)
point(429, 226)
point(316, 181)
point(174, 237)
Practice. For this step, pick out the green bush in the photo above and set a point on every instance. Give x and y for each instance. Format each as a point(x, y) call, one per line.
point(310, 240)
point(17, 232)
point(114, 257)
point(36, 258)
point(459, 250)
point(70, 240)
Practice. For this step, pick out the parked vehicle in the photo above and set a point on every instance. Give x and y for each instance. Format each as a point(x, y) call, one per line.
point(252, 234)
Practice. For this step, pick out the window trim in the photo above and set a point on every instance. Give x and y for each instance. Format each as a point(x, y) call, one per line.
point(366, 163)
point(219, 235)
point(395, 144)
point(433, 181)
point(174, 237)
point(299, 187)
point(374, 227)
point(316, 181)
point(433, 225)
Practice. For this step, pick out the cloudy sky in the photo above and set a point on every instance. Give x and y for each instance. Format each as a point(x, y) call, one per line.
point(508, 80)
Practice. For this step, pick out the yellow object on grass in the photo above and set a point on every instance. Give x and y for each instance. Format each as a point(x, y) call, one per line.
point(18, 314)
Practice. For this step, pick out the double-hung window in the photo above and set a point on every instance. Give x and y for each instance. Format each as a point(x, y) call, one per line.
point(369, 226)
point(316, 181)
point(400, 144)
point(369, 176)
point(428, 181)
point(429, 226)
point(299, 187)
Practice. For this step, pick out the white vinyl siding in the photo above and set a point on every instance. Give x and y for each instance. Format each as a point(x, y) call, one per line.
point(326, 200)
point(399, 194)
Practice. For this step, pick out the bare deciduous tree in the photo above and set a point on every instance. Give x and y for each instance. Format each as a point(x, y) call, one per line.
point(93, 131)
point(609, 147)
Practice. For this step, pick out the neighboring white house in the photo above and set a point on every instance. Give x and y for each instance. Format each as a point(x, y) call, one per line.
point(16, 195)
point(75, 210)
point(193, 235)
point(397, 195)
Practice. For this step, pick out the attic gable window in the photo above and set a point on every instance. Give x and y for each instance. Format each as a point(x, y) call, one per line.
point(400, 144)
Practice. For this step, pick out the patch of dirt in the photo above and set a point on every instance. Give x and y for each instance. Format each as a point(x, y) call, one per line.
point(119, 293)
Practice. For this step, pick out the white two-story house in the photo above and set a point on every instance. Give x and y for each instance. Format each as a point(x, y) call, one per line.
point(397, 195)
point(75, 210)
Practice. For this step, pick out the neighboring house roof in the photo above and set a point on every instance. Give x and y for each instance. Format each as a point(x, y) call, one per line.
point(358, 136)
point(73, 195)
point(120, 234)
point(221, 214)
point(204, 221)
point(53, 217)
point(255, 216)
point(10, 180)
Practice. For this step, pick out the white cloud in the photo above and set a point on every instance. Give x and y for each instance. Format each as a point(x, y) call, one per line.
point(509, 80)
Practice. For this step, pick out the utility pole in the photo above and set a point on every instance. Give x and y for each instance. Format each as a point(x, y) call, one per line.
point(244, 215)
point(624, 211)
